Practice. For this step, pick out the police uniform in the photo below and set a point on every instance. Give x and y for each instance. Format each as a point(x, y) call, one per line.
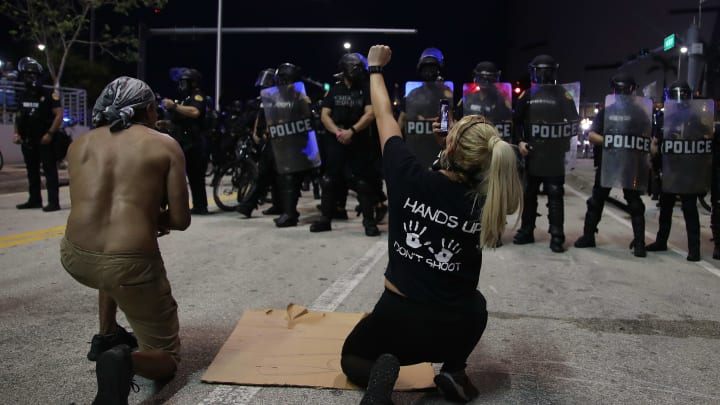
point(546, 118)
point(595, 204)
point(691, 126)
point(715, 192)
point(358, 159)
point(34, 119)
point(188, 132)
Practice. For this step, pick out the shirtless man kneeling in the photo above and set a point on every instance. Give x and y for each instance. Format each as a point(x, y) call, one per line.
point(121, 174)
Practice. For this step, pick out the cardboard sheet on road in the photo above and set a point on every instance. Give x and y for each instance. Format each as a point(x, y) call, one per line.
point(296, 347)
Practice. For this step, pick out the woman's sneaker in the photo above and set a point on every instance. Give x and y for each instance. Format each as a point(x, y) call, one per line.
point(456, 386)
point(101, 343)
point(383, 375)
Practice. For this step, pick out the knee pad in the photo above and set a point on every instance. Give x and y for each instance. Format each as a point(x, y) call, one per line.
point(554, 190)
point(327, 182)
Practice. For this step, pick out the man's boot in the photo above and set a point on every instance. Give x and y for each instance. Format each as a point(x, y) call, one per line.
point(289, 217)
point(524, 235)
point(660, 244)
point(592, 218)
point(556, 217)
point(274, 209)
point(692, 227)
point(638, 243)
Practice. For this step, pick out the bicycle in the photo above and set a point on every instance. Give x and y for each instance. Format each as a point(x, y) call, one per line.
point(236, 181)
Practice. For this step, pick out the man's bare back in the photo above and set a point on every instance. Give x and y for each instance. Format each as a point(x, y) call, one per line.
point(117, 184)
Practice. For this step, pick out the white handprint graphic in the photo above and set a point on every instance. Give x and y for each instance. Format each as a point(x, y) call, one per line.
point(447, 252)
point(412, 238)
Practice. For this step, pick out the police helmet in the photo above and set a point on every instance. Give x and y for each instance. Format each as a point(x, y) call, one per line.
point(192, 75)
point(678, 91)
point(352, 65)
point(431, 56)
point(486, 72)
point(543, 69)
point(266, 78)
point(287, 73)
point(622, 83)
point(30, 65)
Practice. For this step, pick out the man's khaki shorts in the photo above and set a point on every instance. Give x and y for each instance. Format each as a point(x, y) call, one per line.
point(138, 284)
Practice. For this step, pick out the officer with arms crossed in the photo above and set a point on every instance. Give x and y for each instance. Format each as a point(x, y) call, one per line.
point(187, 118)
point(39, 118)
point(431, 309)
point(120, 174)
point(347, 116)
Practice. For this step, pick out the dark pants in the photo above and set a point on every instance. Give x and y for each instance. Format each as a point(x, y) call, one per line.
point(415, 333)
point(554, 189)
point(690, 212)
point(196, 161)
point(34, 155)
point(356, 162)
point(596, 203)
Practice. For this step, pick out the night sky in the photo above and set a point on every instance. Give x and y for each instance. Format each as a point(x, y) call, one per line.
point(463, 43)
point(509, 33)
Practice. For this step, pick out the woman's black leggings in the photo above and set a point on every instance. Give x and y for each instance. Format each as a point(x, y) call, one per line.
point(415, 333)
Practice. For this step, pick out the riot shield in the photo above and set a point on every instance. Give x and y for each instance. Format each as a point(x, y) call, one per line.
point(687, 146)
point(550, 122)
point(626, 145)
point(422, 106)
point(571, 155)
point(494, 103)
point(289, 124)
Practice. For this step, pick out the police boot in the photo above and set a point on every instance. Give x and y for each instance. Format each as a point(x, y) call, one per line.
point(592, 218)
point(557, 239)
point(289, 217)
point(716, 240)
point(328, 209)
point(556, 217)
point(638, 243)
point(524, 235)
point(660, 244)
point(692, 227)
point(368, 213)
point(274, 209)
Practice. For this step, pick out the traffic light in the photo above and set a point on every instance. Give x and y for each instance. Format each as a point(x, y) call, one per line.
point(644, 52)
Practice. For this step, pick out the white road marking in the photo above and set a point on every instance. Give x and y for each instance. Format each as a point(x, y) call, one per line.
point(328, 301)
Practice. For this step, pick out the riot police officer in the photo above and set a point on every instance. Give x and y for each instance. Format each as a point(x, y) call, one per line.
point(347, 116)
point(187, 117)
point(715, 189)
point(632, 117)
point(544, 121)
point(287, 103)
point(421, 107)
point(681, 124)
point(266, 167)
point(486, 99)
point(38, 119)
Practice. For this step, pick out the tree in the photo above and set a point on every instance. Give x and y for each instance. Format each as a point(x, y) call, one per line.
point(60, 25)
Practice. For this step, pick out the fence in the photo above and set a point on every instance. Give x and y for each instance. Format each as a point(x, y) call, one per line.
point(73, 101)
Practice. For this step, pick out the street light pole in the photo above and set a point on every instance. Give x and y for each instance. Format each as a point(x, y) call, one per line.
point(218, 58)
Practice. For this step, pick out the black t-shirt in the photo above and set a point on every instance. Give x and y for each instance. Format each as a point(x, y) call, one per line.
point(346, 105)
point(35, 115)
point(434, 231)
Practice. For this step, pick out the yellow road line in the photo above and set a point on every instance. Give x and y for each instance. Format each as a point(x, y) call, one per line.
point(57, 231)
point(33, 233)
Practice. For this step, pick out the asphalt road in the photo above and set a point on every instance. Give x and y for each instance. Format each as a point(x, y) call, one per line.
point(586, 326)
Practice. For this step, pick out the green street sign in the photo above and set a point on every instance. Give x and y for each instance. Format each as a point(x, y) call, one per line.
point(669, 42)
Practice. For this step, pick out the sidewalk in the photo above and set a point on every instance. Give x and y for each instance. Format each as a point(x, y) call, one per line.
point(13, 179)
